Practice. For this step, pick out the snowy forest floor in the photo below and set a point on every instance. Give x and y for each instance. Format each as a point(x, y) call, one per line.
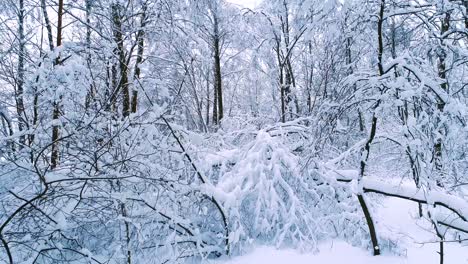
point(397, 216)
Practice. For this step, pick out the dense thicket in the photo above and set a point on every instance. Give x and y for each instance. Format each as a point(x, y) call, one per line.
point(153, 131)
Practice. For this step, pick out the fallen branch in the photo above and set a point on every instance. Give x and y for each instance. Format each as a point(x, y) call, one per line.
point(452, 203)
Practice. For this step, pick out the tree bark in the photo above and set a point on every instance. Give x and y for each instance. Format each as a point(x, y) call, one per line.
point(127, 232)
point(465, 4)
point(48, 25)
point(217, 72)
point(120, 54)
point(54, 157)
point(20, 80)
point(207, 114)
point(366, 150)
point(91, 93)
point(441, 67)
point(286, 63)
point(215, 105)
point(139, 59)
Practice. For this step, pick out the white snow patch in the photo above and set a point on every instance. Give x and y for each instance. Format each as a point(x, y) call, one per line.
point(397, 216)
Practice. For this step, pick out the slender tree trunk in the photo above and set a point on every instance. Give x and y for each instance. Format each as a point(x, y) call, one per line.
point(51, 48)
point(349, 61)
point(373, 131)
point(441, 67)
point(123, 213)
point(54, 157)
point(281, 81)
point(441, 251)
point(442, 72)
point(465, 4)
point(6, 122)
point(207, 114)
point(88, 28)
point(127, 232)
point(380, 37)
point(286, 63)
point(35, 115)
point(310, 80)
point(217, 72)
point(48, 25)
point(215, 106)
point(114, 88)
point(91, 93)
point(20, 80)
point(441, 239)
point(139, 60)
point(120, 54)
point(362, 202)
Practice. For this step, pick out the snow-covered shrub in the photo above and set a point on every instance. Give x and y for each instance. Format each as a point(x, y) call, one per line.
point(274, 196)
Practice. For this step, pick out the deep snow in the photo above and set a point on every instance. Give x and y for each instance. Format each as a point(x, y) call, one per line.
point(397, 217)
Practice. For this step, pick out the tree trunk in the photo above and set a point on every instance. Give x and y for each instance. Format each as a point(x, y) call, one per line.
point(120, 54)
point(91, 93)
point(349, 61)
point(281, 81)
point(20, 80)
point(217, 73)
point(286, 64)
point(370, 224)
point(207, 114)
point(139, 59)
point(310, 81)
point(366, 151)
point(48, 25)
point(362, 202)
point(441, 67)
point(127, 232)
point(54, 157)
point(215, 105)
point(465, 4)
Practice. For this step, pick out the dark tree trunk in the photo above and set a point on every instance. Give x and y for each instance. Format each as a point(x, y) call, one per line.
point(281, 80)
point(465, 4)
point(215, 105)
point(124, 213)
point(441, 251)
point(139, 59)
point(20, 80)
point(91, 93)
point(370, 223)
point(362, 202)
point(441, 67)
point(217, 73)
point(373, 131)
point(54, 157)
point(47, 24)
point(310, 81)
point(121, 55)
point(207, 114)
point(286, 64)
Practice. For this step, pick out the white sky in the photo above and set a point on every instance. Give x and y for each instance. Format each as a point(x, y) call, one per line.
point(246, 3)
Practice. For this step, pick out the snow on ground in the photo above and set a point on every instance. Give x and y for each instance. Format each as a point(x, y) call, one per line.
point(330, 253)
point(400, 217)
point(396, 217)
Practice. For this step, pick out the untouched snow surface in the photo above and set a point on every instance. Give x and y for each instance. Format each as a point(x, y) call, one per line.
point(397, 217)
